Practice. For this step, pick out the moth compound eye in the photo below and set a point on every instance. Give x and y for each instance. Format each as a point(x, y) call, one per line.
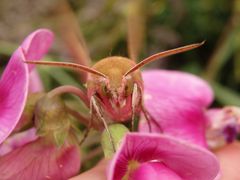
point(128, 89)
point(105, 90)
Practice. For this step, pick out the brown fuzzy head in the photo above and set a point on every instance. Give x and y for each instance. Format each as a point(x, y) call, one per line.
point(116, 84)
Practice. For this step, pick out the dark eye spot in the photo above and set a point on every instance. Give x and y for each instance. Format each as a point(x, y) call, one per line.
point(104, 90)
point(127, 90)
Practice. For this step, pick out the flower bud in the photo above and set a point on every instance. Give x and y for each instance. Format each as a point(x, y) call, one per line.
point(223, 126)
point(117, 131)
point(51, 119)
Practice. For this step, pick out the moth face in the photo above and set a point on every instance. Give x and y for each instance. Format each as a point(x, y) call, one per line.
point(116, 86)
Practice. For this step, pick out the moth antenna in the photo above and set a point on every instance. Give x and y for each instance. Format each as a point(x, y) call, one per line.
point(164, 54)
point(68, 65)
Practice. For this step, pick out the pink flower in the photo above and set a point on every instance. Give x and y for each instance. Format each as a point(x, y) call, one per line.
point(179, 106)
point(223, 126)
point(26, 156)
point(40, 160)
point(176, 102)
point(154, 156)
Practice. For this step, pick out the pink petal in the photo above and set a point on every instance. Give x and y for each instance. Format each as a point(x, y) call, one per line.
point(177, 118)
point(37, 44)
point(229, 158)
point(13, 93)
point(35, 84)
point(186, 160)
point(96, 173)
point(154, 170)
point(183, 85)
point(17, 140)
point(39, 160)
point(176, 101)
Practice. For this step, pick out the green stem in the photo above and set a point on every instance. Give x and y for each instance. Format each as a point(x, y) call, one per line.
point(70, 89)
point(226, 44)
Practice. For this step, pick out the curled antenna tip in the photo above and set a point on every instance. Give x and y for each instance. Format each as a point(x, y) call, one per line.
point(203, 42)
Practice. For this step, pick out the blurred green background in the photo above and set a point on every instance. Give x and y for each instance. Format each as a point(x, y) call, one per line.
point(103, 24)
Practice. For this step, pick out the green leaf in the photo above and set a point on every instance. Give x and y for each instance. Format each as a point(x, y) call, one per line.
point(117, 131)
point(225, 95)
point(60, 75)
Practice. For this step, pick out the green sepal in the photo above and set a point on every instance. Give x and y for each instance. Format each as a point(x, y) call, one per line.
point(60, 136)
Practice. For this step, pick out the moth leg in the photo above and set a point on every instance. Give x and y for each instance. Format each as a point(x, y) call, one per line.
point(86, 132)
point(89, 123)
point(95, 107)
point(135, 103)
point(82, 119)
point(145, 112)
point(150, 119)
point(147, 117)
